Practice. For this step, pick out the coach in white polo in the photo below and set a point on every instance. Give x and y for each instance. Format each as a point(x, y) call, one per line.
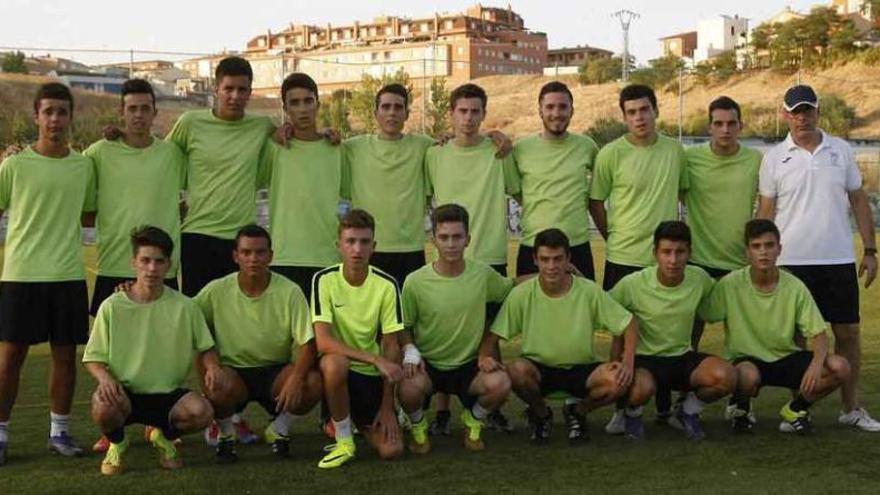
point(808, 183)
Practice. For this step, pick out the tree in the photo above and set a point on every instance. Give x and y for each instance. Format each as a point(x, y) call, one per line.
point(438, 108)
point(363, 98)
point(598, 70)
point(605, 130)
point(836, 117)
point(14, 62)
point(334, 114)
point(662, 71)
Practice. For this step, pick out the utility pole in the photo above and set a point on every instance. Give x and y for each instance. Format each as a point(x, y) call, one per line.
point(625, 17)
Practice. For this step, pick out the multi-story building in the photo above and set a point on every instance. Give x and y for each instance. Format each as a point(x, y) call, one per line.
point(720, 34)
point(681, 45)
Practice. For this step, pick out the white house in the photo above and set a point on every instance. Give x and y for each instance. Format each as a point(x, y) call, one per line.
point(720, 34)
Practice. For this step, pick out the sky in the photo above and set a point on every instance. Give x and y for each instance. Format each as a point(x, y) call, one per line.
point(210, 27)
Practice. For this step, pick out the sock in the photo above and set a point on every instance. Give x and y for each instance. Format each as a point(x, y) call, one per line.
point(416, 415)
point(58, 424)
point(342, 428)
point(692, 404)
point(479, 411)
point(634, 411)
point(744, 403)
point(171, 432)
point(572, 400)
point(281, 423)
point(116, 436)
point(4, 431)
point(799, 404)
point(227, 427)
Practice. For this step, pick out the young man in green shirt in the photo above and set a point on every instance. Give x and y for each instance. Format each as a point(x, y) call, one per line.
point(43, 297)
point(557, 315)
point(763, 308)
point(260, 322)
point(140, 353)
point(444, 307)
point(356, 315)
point(554, 169)
point(665, 298)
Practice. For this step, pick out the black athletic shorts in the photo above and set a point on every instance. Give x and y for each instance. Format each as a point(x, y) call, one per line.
point(785, 372)
point(153, 409)
point(258, 381)
point(716, 273)
point(573, 381)
point(204, 258)
point(453, 382)
point(835, 289)
point(364, 398)
point(581, 257)
point(301, 275)
point(492, 308)
point(105, 287)
point(615, 272)
point(398, 265)
point(671, 372)
point(36, 312)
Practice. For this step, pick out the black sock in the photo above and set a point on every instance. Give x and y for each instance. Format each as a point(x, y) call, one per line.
point(743, 403)
point(800, 404)
point(116, 436)
point(170, 432)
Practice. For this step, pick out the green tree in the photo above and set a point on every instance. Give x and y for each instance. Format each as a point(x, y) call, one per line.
point(334, 112)
point(605, 130)
point(836, 117)
point(363, 98)
point(438, 108)
point(14, 62)
point(598, 70)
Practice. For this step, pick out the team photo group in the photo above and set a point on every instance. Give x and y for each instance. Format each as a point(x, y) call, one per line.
point(335, 308)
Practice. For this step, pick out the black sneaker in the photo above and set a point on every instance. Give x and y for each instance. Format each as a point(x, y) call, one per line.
point(226, 450)
point(540, 427)
point(2, 453)
point(741, 422)
point(440, 425)
point(497, 421)
point(576, 423)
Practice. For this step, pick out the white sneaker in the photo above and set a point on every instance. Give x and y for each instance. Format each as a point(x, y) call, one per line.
point(859, 418)
point(617, 424)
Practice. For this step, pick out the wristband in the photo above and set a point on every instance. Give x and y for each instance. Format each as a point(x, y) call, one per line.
point(870, 251)
point(411, 355)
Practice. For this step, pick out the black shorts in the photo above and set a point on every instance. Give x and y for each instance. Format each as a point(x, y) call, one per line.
point(301, 276)
point(786, 372)
point(492, 308)
point(581, 257)
point(835, 289)
point(398, 265)
point(153, 409)
point(364, 398)
point(204, 258)
point(716, 273)
point(105, 287)
point(572, 381)
point(671, 372)
point(36, 312)
point(454, 382)
point(259, 381)
point(615, 272)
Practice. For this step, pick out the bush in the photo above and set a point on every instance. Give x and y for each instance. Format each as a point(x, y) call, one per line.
point(836, 117)
point(605, 130)
point(598, 70)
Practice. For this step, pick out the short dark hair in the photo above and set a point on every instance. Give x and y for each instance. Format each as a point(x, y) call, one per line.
point(637, 92)
point(395, 89)
point(357, 219)
point(148, 235)
point(255, 231)
point(137, 86)
point(672, 230)
point(468, 91)
point(298, 80)
point(52, 91)
point(552, 238)
point(555, 87)
point(450, 213)
point(725, 103)
point(233, 66)
point(757, 227)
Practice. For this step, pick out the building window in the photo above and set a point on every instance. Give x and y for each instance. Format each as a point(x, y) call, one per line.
point(388, 30)
point(448, 24)
point(460, 50)
point(261, 42)
point(347, 34)
point(424, 27)
point(404, 29)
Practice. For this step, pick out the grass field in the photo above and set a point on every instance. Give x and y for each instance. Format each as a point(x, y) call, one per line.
point(833, 460)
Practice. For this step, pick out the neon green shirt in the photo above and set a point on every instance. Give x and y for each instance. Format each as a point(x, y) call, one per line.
point(665, 314)
point(559, 331)
point(759, 324)
point(388, 180)
point(720, 199)
point(305, 185)
point(45, 198)
point(447, 315)
point(357, 314)
point(222, 160)
point(256, 331)
point(641, 184)
point(473, 178)
point(136, 186)
point(555, 185)
point(149, 347)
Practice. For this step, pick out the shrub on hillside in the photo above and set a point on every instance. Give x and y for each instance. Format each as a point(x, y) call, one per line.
point(836, 117)
point(605, 130)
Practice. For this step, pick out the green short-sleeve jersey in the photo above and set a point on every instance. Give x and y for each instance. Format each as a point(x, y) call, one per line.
point(305, 186)
point(45, 198)
point(387, 178)
point(149, 347)
point(447, 315)
point(760, 324)
point(475, 179)
point(665, 314)
point(136, 186)
point(720, 199)
point(555, 185)
point(641, 183)
point(357, 314)
point(256, 331)
point(558, 331)
point(222, 161)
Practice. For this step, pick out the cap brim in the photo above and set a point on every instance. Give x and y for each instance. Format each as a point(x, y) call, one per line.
point(791, 108)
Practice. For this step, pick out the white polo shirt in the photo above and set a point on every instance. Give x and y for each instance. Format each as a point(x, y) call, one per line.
point(812, 205)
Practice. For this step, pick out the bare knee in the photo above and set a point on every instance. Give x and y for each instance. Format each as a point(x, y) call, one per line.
point(496, 384)
point(334, 367)
point(839, 367)
point(390, 451)
point(642, 389)
point(12, 358)
point(193, 411)
point(522, 372)
point(748, 379)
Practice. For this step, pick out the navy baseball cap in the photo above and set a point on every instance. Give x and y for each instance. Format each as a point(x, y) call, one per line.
point(800, 95)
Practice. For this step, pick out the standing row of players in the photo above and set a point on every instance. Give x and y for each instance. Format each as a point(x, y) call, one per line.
point(223, 155)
